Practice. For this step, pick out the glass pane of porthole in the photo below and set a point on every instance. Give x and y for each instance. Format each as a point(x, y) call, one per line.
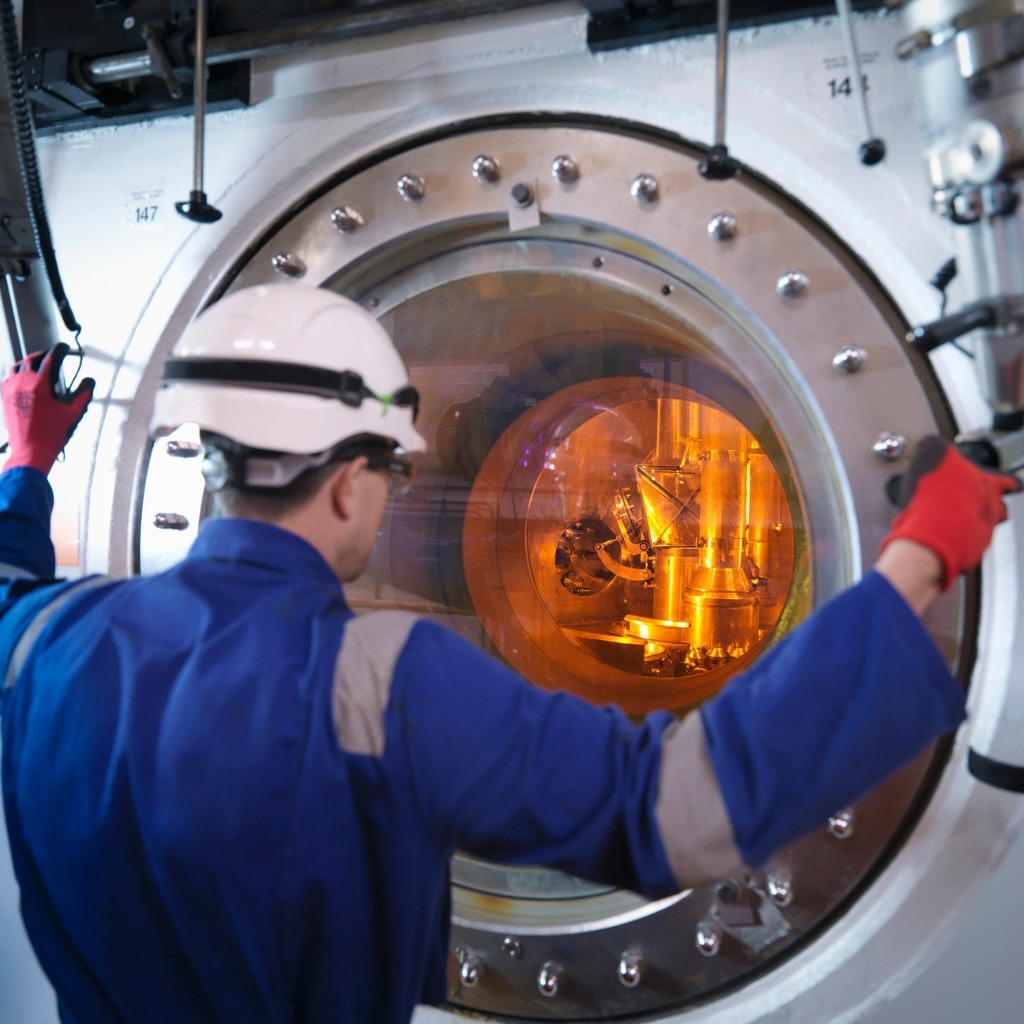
point(605, 504)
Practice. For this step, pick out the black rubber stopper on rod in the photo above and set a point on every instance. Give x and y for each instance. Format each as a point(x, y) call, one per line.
point(718, 165)
point(872, 152)
point(198, 209)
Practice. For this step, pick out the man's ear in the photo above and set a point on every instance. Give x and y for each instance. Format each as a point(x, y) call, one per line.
point(342, 487)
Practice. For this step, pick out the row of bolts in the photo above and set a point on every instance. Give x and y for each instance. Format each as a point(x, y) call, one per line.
point(792, 284)
point(707, 938)
point(718, 165)
point(645, 189)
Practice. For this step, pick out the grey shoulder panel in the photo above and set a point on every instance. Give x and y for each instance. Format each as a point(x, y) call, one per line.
point(15, 572)
point(692, 817)
point(363, 674)
point(27, 639)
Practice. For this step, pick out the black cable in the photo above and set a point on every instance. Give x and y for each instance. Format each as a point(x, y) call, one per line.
point(25, 139)
point(941, 280)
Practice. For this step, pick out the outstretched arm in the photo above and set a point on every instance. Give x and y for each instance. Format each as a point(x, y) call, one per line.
point(859, 688)
point(508, 772)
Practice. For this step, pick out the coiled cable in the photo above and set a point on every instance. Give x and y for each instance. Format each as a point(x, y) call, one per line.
point(27, 164)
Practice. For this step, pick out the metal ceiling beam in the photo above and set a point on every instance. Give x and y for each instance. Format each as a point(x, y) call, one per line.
point(343, 25)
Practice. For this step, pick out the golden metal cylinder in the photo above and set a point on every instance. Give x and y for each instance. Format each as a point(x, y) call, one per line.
point(672, 570)
point(723, 616)
point(764, 517)
point(674, 420)
point(723, 506)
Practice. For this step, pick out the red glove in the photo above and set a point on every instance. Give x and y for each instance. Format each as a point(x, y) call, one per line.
point(39, 420)
point(950, 506)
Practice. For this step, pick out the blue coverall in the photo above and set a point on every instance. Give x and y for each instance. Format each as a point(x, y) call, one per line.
point(216, 817)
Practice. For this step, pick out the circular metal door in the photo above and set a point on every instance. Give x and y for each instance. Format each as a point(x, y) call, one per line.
point(661, 415)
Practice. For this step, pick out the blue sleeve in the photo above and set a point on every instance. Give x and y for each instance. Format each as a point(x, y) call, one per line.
point(27, 560)
point(852, 694)
point(26, 502)
point(507, 771)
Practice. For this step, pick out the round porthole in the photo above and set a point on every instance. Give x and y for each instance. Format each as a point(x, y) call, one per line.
point(644, 465)
point(608, 499)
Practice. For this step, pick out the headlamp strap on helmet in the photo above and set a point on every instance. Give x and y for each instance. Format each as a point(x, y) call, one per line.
point(224, 467)
point(346, 386)
point(226, 464)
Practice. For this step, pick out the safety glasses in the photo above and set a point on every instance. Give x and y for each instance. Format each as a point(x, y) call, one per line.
point(399, 472)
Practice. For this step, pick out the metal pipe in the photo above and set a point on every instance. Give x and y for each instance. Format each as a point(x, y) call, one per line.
point(196, 207)
point(718, 165)
point(198, 133)
point(872, 149)
point(324, 29)
point(721, 70)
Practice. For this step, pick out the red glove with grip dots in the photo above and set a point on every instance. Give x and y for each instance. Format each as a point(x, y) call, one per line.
point(39, 420)
point(950, 506)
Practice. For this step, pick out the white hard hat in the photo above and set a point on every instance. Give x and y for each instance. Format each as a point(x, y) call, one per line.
point(288, 368)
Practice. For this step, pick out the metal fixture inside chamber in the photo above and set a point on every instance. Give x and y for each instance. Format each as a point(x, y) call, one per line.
point(643, 528)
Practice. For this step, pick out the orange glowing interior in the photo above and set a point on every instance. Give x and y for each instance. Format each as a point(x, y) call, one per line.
point(631, 541)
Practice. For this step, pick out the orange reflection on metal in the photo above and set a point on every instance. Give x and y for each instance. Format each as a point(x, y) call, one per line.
point(628, 540)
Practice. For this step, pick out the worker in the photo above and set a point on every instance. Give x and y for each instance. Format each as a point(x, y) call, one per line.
point(230, 799)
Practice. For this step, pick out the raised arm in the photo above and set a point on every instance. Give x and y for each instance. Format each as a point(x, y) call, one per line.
point(859, 688)
point(39, 424)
